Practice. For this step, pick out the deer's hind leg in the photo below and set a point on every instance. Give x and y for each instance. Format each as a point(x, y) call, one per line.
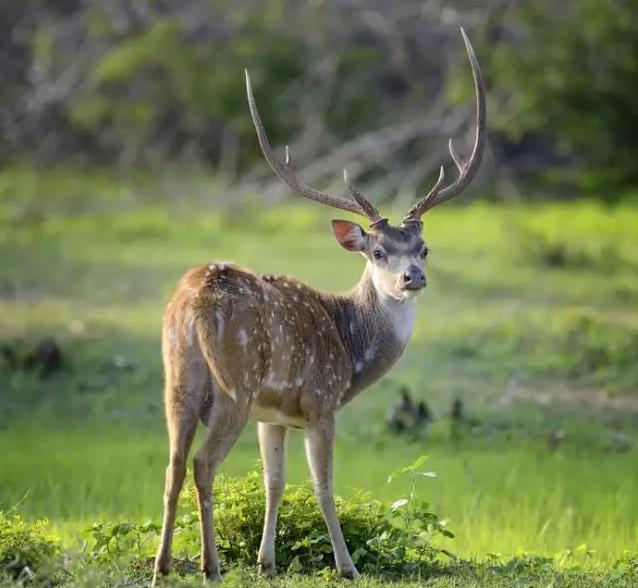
point(187, 382)
point(227, 420)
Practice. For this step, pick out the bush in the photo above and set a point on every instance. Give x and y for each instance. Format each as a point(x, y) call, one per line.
point(383, 538)
point(388, 539)
point(27, 550)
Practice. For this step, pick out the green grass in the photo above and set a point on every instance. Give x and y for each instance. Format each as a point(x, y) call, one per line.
point(539, 301)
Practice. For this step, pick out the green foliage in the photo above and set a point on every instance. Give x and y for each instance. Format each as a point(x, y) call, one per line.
point(109, 541)
point(34, 558)
point(171, 82)
point(28, 551)
point(383, 538)
point(570, 79)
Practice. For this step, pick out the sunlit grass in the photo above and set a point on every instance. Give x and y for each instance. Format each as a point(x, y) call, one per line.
point(541, 295)
point(498, 498)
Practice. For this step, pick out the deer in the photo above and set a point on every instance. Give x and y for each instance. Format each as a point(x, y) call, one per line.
point(239, 346)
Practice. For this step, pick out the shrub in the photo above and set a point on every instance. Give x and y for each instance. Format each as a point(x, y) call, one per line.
point(27, 550)
point(383, 538)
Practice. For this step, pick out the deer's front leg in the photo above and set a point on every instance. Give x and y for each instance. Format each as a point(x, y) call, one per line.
point(272, 444)
point(319, 451)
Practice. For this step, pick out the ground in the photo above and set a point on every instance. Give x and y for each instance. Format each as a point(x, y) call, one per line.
point(530, 318)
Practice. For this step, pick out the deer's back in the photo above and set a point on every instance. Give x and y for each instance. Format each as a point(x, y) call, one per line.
point(267, 337)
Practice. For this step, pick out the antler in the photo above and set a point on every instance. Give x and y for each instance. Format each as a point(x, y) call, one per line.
point(286, 172)
point(467, 170)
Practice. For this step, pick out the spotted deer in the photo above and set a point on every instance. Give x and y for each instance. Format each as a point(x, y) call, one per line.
point(241, 346)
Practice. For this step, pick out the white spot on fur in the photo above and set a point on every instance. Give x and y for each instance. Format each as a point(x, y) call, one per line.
point(220, 322)
point(243, 337)
point(358, 367)
point(273, 383)
point(370, 353)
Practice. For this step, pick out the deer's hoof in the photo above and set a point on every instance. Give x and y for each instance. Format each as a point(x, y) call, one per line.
point(267, 568)
point(349, 573)
point(211, 577)
point(157, 578)
point(161, 569)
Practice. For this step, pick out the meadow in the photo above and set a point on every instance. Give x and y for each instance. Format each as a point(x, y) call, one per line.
point(530, 318)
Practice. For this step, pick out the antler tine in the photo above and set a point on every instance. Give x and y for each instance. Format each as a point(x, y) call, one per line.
point(370, 209)
point(460, 165)
point(467, 170)
point(432, 193)
point(286, 172)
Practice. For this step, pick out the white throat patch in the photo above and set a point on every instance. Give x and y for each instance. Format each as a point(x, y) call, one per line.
point(401, 316)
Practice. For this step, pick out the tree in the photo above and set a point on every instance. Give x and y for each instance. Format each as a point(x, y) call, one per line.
point(573, 77)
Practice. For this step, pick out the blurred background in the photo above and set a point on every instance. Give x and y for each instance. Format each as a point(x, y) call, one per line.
point(128, 155)
point(377, 86)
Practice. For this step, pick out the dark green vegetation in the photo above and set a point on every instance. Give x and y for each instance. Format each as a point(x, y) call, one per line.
point(570, 83)
point(529, 319)
point(162, 81)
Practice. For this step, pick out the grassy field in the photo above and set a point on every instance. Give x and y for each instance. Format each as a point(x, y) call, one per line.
point(530, 318)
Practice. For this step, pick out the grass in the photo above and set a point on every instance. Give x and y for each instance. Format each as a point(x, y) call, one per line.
point(530, 319)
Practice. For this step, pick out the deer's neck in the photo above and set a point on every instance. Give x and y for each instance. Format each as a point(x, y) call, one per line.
point(374, 329)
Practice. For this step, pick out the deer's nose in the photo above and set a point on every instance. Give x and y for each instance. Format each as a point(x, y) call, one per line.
point(414, 278)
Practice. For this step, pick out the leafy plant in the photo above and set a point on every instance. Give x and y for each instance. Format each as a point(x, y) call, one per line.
point(107, 541)
point(383, 538)
point(27, 549)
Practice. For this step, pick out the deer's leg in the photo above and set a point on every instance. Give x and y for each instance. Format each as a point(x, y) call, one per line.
point(227, 420)
point(272, 445)
point(182, 421)
point(319, 451)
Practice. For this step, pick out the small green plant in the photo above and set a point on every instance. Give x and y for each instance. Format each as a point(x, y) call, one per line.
point(107, 541)
point(28, 551)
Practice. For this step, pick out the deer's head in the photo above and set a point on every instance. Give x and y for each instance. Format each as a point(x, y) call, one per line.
point(395, 254)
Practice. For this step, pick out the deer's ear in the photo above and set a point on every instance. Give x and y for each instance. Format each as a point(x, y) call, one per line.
point(350, 235)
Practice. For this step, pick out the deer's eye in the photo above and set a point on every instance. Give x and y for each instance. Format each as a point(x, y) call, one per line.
point(377, 254)
point(425, 252)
